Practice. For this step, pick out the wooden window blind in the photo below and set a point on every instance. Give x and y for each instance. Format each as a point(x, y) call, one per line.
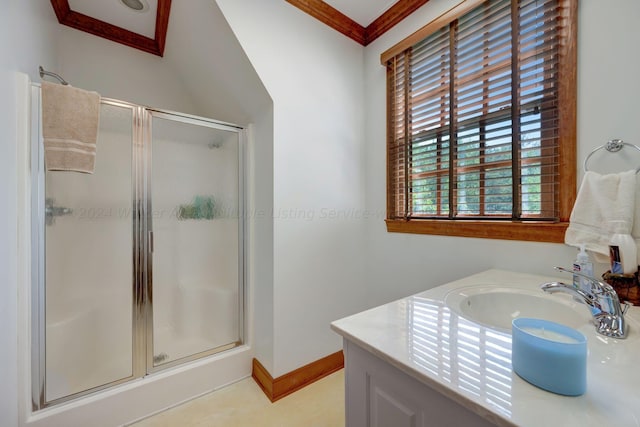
point(481, 116)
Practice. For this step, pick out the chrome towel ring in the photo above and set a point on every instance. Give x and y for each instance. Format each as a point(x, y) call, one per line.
point(612, 146)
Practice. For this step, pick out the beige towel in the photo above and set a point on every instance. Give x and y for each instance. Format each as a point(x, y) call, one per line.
point(70, 119)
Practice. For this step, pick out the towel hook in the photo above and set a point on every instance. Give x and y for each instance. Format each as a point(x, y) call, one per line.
point(44, 72)
point(612, 146)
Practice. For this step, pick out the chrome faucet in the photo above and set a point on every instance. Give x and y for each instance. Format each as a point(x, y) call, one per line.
point(608, 314)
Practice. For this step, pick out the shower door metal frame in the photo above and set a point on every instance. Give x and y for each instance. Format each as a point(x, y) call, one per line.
point(38, 270)
point(150, 113)
point(142, 290)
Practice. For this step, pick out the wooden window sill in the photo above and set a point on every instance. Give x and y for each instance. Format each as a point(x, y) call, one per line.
point(507, 230)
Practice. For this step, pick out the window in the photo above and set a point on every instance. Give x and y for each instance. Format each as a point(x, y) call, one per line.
point(481, 122)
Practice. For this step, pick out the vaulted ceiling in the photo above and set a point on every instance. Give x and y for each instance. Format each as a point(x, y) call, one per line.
point(144, 29)
point(142, 24)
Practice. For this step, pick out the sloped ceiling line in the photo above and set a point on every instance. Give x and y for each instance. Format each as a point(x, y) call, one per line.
point(99, 28)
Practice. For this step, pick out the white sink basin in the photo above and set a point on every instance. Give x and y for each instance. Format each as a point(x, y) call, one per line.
point(497, 306)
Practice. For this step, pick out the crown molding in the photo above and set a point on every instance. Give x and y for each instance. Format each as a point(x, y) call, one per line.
point(332, 17)
point(347, 26)
point(391, 18)
point(316, 8)
point(99, 28)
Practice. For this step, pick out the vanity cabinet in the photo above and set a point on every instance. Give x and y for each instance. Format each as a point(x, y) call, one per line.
point(380, 395)
point(417, 362)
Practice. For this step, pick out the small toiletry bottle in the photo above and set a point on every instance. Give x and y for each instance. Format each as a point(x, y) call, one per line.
point(615, 259)
point(583, 265)
point(626, 246)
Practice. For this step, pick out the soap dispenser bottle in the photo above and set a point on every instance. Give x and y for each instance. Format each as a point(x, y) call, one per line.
point(583, 265)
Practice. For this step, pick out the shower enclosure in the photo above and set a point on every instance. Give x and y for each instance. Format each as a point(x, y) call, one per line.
point(139, 266)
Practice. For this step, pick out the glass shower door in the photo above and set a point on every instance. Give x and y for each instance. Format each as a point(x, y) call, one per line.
point(88, 267)
point(196, 196)
point(140, 265)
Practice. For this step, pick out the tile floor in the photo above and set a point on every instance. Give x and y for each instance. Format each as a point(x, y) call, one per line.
point(243, 404)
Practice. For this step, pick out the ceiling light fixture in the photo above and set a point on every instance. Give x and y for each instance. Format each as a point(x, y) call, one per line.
point(136, 5)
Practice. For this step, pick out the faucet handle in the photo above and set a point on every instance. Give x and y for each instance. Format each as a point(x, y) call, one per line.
point(597, 286)
point(607, 312)
point(625, 307)
point(566, 270)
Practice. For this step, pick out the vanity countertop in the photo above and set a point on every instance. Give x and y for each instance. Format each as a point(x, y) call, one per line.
point(471, 364)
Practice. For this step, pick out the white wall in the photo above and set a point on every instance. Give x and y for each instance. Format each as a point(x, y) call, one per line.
point(260, 238)
point(25, 42)
point(402, 264)
point(314, 76)
point(213, 69)
point(120, 72)
point(8, 239)
point(608, 84)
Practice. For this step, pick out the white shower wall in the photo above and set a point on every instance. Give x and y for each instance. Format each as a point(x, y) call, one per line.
point(195, 262)
point(89, 270)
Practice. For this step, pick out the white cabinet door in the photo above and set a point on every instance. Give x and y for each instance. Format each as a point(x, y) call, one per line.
point(380, 395)
point(389, 407)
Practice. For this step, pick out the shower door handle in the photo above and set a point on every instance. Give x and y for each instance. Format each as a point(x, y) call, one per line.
point(151, 242)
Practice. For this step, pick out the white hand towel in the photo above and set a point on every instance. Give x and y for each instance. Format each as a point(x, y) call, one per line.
point(635, 231)
point(601, 200)
point(70, 119)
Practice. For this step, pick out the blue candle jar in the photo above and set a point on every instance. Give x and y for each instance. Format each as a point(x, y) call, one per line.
point(549, 355)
